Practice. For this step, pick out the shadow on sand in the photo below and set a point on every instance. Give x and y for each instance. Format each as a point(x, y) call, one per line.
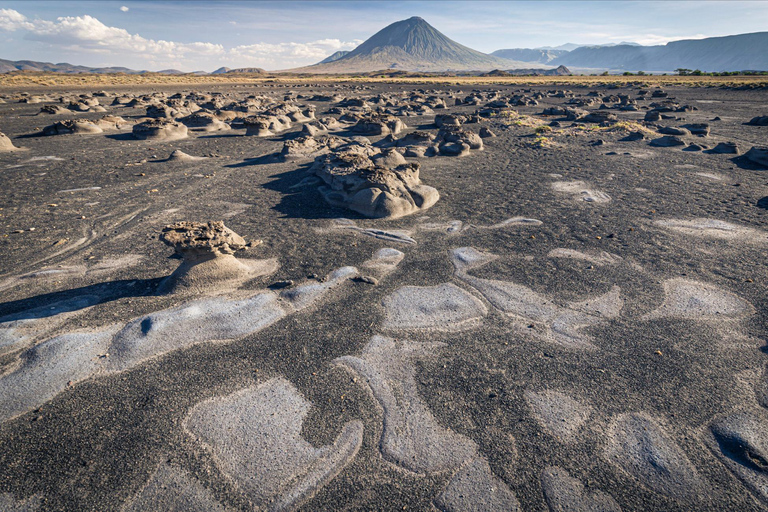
point(49, 304)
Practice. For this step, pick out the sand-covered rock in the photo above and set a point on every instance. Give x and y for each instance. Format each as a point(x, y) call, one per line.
point(379, 125)
point(159, 130)
point(353, 180)
point(758, 121)
point(758, 155)
point(203, 122)
point(667, 141)
point(207, 249)
point(6, 144)
point(726, 148)
point(72, 127)
point(112, 123)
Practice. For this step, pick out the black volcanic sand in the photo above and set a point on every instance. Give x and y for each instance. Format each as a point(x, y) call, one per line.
point(647, 385)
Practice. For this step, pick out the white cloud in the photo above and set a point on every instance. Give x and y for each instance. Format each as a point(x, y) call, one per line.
point(11, 20)
point(654, 39)
point(89, 35)
point(124, 9)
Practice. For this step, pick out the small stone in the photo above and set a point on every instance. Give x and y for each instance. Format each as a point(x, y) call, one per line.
point(366, 279)
point(281, 284)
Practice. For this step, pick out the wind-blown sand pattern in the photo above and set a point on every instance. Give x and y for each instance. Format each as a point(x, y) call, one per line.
point(565, 493)
point(255, 437)
point(639, 446)
point(714, 229)
point(173, 490)
point(48, 368)
point(413, 439)
point(558, 413)
point(535, 312)
point(444, 307)
point(580, 191)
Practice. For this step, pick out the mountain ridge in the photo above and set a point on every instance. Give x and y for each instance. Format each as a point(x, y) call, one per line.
point(738, 52)
point(411, 45)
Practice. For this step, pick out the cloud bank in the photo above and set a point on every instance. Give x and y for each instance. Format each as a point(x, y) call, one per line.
point(88, 34)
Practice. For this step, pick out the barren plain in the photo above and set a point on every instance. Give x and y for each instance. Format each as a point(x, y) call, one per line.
point(443, 296)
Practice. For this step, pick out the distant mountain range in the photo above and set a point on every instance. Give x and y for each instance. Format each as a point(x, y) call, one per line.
point(559, 71)
point(729, 53)
point(411, 45)
point(222, 71)
point(530, 55)
point(7, 66)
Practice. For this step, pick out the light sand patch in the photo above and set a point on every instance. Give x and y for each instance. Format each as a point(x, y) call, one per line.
point(173, 490)
point(22, 328)
point(534, 313)
point(255, 438)
point(384, 261)
point(714, 229)
point(307, 295)
point(474, 488)
point(46, 369)
point(444, 307)
point(73, 190)
point(741, 443)
point(565, 493)
point(513, 221)
point(449, 228)
point(640, 447)
point(685, 298)
point(558, 413)
point(467, 258)
point(580, 191)
point(8, 504)
point(711, 176)
point(411, 438)
point(191, 323)
point(598, 258)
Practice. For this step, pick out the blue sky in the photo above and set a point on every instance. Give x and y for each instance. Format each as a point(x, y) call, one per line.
point(207, 34)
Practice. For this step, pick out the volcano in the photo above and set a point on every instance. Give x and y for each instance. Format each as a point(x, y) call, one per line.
point(412, 45)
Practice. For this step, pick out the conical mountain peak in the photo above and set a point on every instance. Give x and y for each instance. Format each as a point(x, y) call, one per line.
point(412, 45)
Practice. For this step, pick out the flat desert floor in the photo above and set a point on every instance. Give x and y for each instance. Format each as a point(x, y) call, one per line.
point(577, 323)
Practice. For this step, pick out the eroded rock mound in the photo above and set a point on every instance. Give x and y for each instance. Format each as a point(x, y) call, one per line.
point(379, 125)
point(207, 249)
point(71, 126)
point(758, 155)
point(204, 122)
point(355, 180)
point(6, 144)
point(159, 129)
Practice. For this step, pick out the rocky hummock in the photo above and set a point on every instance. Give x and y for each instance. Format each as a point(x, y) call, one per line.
point(6, 144)
point(208, 262)
point(758, 155)
point(377, 184)
point(71, 126)
point(159, 129)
